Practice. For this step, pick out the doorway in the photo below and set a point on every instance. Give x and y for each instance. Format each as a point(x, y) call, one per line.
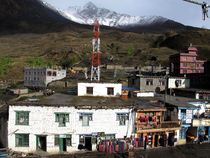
point(62, 144)
point(171, 139)
point(41, 142)
point(156, 140)
point(88, 143)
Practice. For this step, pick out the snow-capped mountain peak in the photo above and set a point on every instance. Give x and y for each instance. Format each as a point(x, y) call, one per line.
point(89, 12)
point(89, 5)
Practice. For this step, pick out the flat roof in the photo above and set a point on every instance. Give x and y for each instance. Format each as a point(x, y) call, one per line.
point(92, 102)
point(178, 101)
point(194, 90)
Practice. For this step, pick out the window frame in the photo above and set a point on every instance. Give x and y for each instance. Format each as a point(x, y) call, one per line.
point(89, 90)
point(25, 115)
point(110, 90)
point(162, 82)
point(90, 118)
point(149, 82)
point(58, 116)
point(68, 138)
point(122, 118)
point(21, 143)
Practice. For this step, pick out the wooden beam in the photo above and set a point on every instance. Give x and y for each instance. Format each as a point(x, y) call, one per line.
point(157, 130)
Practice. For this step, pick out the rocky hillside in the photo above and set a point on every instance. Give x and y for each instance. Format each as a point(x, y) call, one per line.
point(33, 34)
point(29, 16)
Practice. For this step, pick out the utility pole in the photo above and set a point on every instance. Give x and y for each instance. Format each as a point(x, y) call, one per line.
point(166, 87)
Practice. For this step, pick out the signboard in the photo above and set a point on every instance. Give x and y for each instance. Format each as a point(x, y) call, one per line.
point(189, 114)
point(178, 83)
point(201, 122)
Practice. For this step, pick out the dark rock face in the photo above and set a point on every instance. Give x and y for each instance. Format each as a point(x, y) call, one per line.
point(29, 16)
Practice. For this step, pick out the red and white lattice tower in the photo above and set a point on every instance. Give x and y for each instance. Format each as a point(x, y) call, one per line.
point(95, 69)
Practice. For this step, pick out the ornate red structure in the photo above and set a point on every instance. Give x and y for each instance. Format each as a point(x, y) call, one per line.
point(95, 68)
point(186, 63)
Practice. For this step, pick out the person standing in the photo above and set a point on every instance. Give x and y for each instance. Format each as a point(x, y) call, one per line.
point(145, 142)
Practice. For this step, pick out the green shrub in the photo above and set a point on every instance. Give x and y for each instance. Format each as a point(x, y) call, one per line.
point(5, 64)
point(39, 62)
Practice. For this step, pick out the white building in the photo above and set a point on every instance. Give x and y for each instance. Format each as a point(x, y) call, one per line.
point(100, 89)
point(54, 126)
point(40, 77)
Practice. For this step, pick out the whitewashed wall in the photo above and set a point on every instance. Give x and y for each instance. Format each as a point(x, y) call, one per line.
point(42, 122)
point(99, 89)
point(37, 77)
point(105, 121)
point(60, 75)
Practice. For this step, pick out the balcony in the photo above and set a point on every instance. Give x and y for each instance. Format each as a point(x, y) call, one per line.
point(155, 125)
point(149, 125)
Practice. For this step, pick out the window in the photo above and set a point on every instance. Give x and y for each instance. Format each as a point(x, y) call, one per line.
point(22, 140)
point(56, 140)
point(162, 82)
point(149, 82)
point(22, 117)
point(184, 64)
point(66, 137)
point(89, 90)
point(49, 73)
point(81, 139)
point(183, 116)
point(122, 117)
point(61, 118)
point(85, 118)
point(54, 73)
point(110, 91)
point(68, 140)
point(184, 70)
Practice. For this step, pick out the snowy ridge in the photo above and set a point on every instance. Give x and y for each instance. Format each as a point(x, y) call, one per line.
point(59, 11)
point(89, 12)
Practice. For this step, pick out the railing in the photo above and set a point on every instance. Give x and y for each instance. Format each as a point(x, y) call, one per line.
point(155, 125)
point(170, 124)
point(148, 125)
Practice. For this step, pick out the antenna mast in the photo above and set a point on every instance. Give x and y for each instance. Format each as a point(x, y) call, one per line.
point(95, 68)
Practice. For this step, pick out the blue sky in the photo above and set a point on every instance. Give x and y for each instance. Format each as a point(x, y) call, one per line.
point(178, 10)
